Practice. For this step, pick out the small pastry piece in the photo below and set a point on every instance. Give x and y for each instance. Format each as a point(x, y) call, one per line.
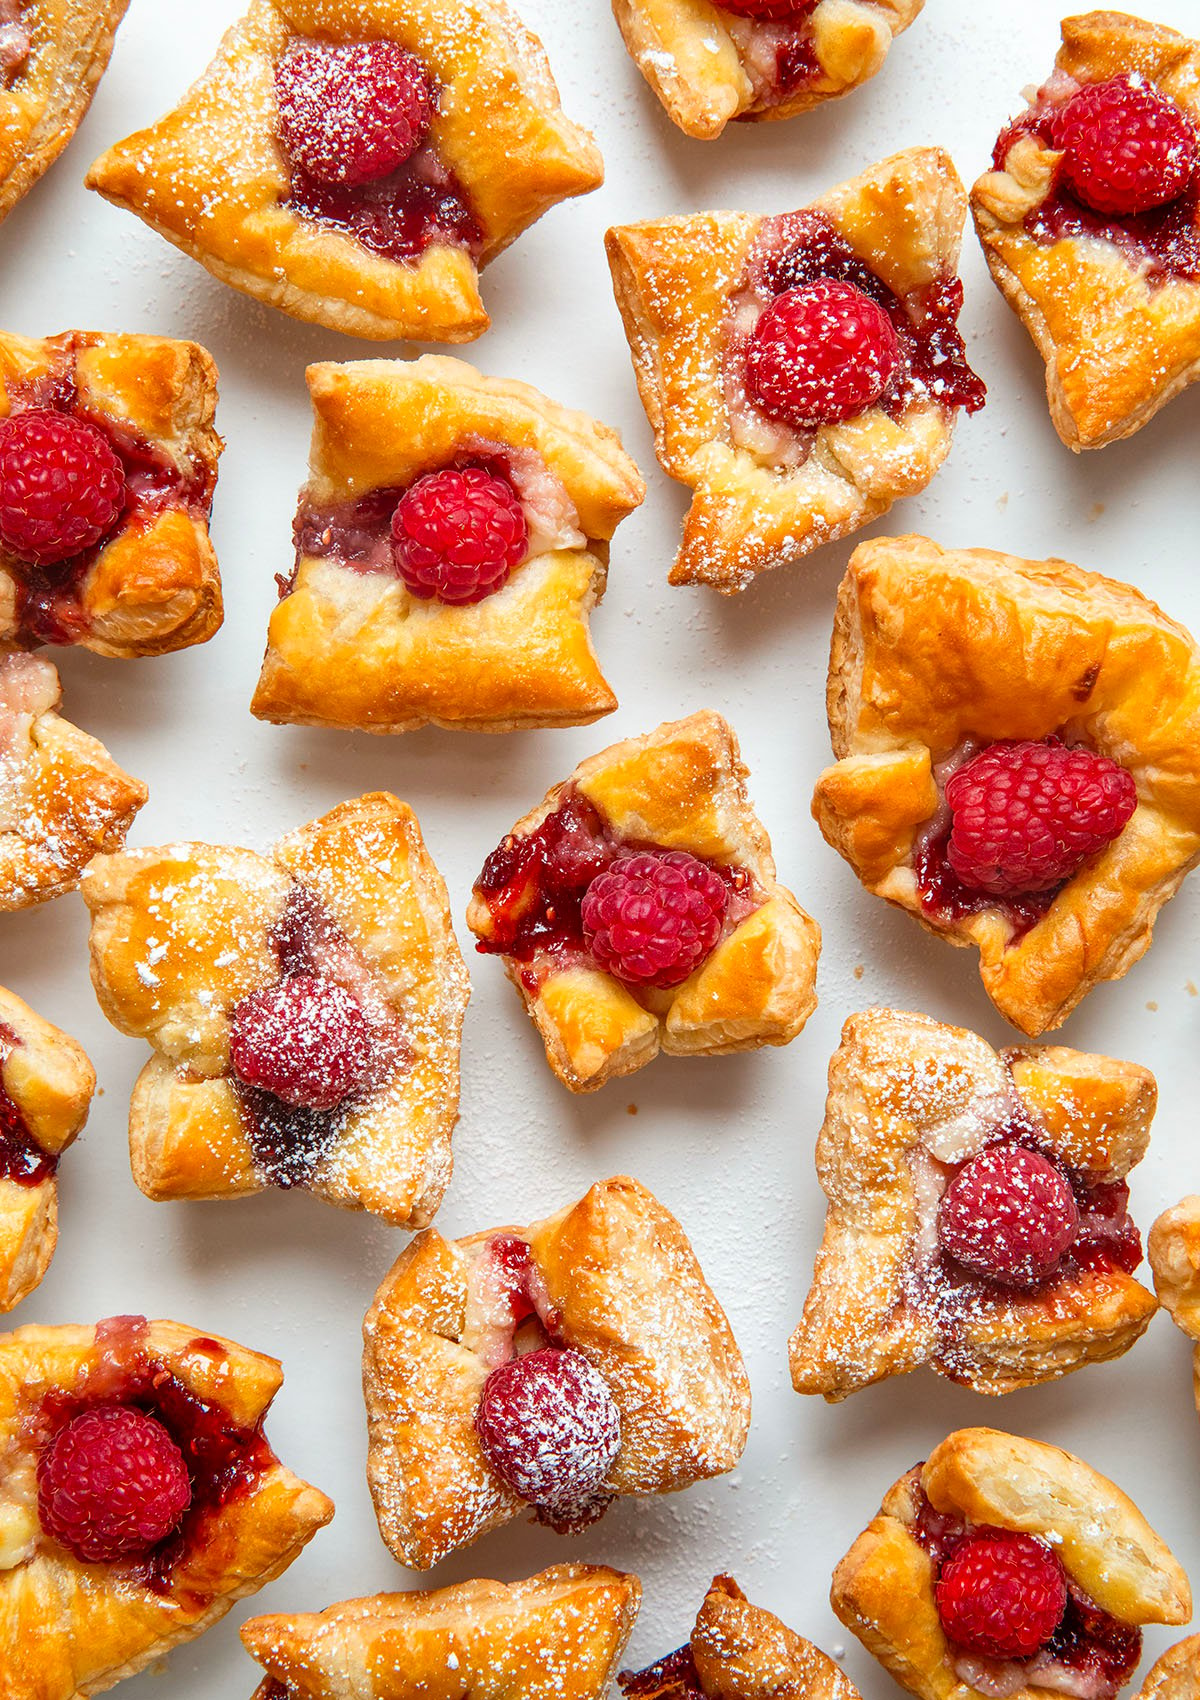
point(558, 1635)
point(1017, 765)
point(304, 1006)
point(710, 61)
point(450, 544)
point(978, 1211)
point(1173, 1247)
point(139, 1499)
point(637, 910)
point(358, 162)
point(1005, 1566)
point(548, 1368)
point(1176, 1676)
point(1090, 223)
point(803, 371)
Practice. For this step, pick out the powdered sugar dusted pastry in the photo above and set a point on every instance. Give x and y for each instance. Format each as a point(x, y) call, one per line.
point(709, 61)
point(304, 1006)
point(801, 372)
point(637, 910)
point(1003, 1565)
point(548, 1368)
point(357, 162)
point(961, 678)
point(558, 1635)
point(1090, 222)
point(1176, 1676)
point(1174, 1251)
point(450, 544)
point(978, 1210)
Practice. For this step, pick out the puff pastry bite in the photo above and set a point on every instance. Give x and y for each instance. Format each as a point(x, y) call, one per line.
point(710, 61)
point(803, 371)
point(1173, 1247)
point(1092, 235)
point(637, 910)
point(558, 1635)
point(357, 162)
point(1069, 1564)
point(549, 1368)
point(966, 685)
point(304, 1007)
point(1176, 1676)
point(139, 1498)
point(450, 544)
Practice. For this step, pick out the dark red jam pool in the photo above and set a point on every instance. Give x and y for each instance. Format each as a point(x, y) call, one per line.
point(397, 217)
point(944, 897)
point(672, 1678)
point(21, 1157)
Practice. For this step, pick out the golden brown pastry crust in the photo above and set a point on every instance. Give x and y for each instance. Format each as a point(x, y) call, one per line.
point(673, 280)
point(681, 787)
point(180, 933)
point(883, 1590)
point(356, 649)
point(742, 1652)
point(1173, 1247)
point(1176, 1676)
point(934, 646)
point(1116, 347)
point(499, 128)
point(558, 1635)
point(629, 1294)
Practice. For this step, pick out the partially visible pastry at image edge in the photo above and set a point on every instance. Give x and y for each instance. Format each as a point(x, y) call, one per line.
point(1173, 1247)
point(1176, 1675)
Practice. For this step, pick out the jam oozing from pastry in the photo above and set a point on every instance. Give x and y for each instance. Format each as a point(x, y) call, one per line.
point(774, 41)
point(21, 1157)
point(672, 1678)
point(16, 42)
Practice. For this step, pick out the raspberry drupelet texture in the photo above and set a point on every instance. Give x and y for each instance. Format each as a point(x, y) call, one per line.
point(821, 354)
point(1001, 1595)
point(306, 1041)
point(1009, 1215)
point(1126, 147)
point(548, 1427)
point(650, 919)
point(457, 534)
point(353, 113)
point(112, 1484)
point(62, 485)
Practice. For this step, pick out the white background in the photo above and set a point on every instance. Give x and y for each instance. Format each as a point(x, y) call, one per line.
point(726, 1143)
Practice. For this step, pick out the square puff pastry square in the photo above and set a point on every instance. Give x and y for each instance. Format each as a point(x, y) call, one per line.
point(883, 1590)
point(674, 279)
point(681, 787)
point(354, 648)
point(558, 1635)
point(708, 66)
point(213, 179)
point(1176, 1676)
point(153, 585)
point(182, 933)
point(909, 1099)
point(933, 647)
point(54, 52)
point(615, 1278)
point(1173, 1247)
point(1118, 344)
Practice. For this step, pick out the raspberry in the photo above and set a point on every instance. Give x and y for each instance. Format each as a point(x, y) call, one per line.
point(776, 11)
point(1126, 147)
point(651, 918)
point(353, 113)
point(1008, 1215)
point(457, 535)
point(1027, 816)
point(821, 354)
point(514, 1265)
point(549, 1428)
point(112, 1484)
point(1001, 1595)
point(62, 485)
point(306, 1041)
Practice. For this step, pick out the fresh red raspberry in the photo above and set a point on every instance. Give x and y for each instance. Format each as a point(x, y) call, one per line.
point(457, 535)
point(1001, 1595)
point(306, 1041)
point(1027, 816)
point(62, 485)
point(651, 918)
point(1008, 1215)
point(548, 1427)
point(351, 114)
point(776, 11)
point(1126, 147)
point(514, 1265)
point(821, 354)
point(112, 1484)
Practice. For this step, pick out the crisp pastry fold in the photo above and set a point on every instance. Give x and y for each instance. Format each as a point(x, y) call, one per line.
point(1176, 1675)
point(349, 644)
point(1173, 1247)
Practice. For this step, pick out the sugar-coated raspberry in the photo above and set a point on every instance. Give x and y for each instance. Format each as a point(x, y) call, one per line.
point(548, 1427)
point(306, 1041)
point(1026, 816)
point(651, 918)
point(821, 354)
point(112, 1484)
point(1008, 1215)
point(774, 11)
point(62, 485)
point(1126, 147)
point(352, 113)
point(1001, 1595)
point(457, 534)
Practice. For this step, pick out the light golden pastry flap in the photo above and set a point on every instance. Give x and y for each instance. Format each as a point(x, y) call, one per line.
point(1176, 1676)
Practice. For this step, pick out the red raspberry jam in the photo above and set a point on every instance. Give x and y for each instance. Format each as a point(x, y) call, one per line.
point(21, 1157)
point(672, 1678)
